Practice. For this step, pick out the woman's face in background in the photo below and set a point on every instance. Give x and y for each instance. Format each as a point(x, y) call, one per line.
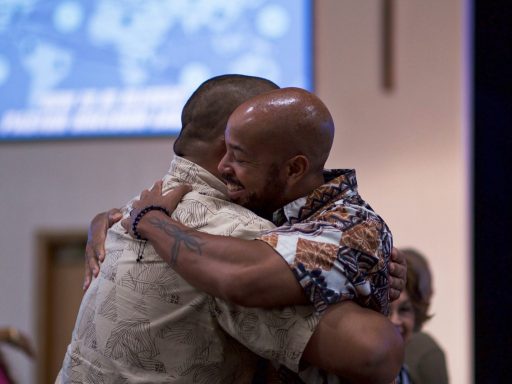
point(402, 315)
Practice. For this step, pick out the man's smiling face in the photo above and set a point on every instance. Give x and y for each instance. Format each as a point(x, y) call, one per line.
point(276, 147)
point(251, 167)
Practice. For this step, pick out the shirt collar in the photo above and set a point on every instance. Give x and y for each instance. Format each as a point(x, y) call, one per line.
point(184, 171)
point(339, 183)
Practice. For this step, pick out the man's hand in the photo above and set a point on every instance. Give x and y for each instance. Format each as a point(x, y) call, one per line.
point(95, 248)
point(154, 197)
point(397, 274)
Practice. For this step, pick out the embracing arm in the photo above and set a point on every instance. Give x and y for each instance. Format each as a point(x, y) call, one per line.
point(245, 272)
point(356, 343)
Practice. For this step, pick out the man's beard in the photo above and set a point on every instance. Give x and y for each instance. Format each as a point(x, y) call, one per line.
point(265, 202)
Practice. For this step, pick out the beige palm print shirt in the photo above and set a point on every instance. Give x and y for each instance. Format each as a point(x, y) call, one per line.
point(139, 322)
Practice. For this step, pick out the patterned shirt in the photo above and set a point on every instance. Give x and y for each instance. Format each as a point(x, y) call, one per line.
point(337, 246)
point(142, 323)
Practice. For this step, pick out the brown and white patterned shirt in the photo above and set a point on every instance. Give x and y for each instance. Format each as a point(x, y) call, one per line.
point(337, 246)
point(142, 323)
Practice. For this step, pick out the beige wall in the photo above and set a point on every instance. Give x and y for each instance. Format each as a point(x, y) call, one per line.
point(407, 146)
point(59, 186)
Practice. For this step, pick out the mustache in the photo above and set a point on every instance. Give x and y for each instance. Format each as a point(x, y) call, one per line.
point(230, 179)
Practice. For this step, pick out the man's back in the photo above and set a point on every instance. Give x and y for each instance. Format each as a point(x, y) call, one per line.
point(141, 322)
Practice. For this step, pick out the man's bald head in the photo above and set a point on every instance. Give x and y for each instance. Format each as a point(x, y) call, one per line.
point(277, 144)
point(293, 120)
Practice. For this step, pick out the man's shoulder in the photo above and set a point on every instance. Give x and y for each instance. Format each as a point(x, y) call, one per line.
point(294, 326)
point(218, 216)
point(353, 214)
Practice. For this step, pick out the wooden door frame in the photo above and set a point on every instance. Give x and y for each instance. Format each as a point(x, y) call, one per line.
point(47, 244)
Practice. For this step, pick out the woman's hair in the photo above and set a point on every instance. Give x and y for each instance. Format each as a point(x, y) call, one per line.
point(418, 286)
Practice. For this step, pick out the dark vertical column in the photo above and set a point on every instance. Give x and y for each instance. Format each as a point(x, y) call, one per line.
point(492, 190)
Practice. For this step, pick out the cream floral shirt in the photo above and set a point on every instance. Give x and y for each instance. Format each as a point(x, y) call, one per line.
point(139, 322)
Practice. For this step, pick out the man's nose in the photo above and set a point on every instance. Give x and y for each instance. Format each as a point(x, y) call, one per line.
point(222, 167)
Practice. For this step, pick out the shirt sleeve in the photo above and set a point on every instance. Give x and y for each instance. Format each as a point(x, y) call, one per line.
point(252, 230)
point(279, 335)
point(334, 265)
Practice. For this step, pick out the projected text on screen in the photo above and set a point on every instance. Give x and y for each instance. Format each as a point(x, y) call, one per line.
point(74, 68)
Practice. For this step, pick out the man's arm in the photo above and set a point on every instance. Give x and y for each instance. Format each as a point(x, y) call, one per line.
point(235, 281)
point(349, 341)
point(248, 273)
point(244, 272)
point(95, 254)
point(356, 343)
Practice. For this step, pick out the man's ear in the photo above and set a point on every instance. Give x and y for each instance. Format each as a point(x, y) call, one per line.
point(297, 167)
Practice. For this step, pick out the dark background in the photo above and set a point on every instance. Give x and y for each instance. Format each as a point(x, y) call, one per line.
point(492, 189)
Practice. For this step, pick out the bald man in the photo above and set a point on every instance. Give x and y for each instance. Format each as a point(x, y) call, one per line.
point(330, 246)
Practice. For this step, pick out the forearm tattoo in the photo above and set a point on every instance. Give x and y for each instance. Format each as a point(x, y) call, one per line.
point(180, 236)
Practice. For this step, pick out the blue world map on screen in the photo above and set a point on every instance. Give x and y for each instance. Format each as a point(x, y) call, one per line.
point(74, 68)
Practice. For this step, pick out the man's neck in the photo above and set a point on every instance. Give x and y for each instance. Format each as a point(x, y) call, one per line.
point(304, 188)
point(308, 185)
point(210, 166)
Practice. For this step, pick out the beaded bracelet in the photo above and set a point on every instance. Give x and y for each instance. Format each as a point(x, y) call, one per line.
point(141, 214)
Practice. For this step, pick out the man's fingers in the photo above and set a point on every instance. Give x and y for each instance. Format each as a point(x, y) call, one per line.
point(396, 283)
point(180, 191)
point(87, 277)
point(183, 189)
point(157, 187)
point(91, 266)
point(126, 225)
point(144, 194)
point(397, 270)
point(100, 255)
point(136, 204)
point(396, 286)
point(154, 197)
point(93, 262)
point(400, 271)
point(114, 215)
point(95, 248)
point(87, 270)
point(174, 197)
point(394, 294)
point(398, 257)
point(397, 273)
